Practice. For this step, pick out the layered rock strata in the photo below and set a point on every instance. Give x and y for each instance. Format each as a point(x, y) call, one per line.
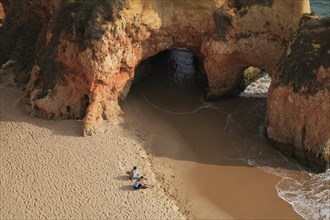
point(81, 55)
point(90, 49)
point(298, 113)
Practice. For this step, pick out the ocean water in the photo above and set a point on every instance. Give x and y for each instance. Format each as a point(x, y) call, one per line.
point(307, 192)
point(321, 7)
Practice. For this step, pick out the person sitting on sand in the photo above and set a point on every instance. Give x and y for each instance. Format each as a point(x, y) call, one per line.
point(139, 184)
point(134, 173)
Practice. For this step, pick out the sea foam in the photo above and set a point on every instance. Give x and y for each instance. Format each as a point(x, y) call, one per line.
point(307, 192)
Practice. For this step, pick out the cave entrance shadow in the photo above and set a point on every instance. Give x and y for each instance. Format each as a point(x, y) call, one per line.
point(167, 101)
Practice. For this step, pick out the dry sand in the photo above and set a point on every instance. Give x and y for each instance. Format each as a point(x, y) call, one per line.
point(49, 171)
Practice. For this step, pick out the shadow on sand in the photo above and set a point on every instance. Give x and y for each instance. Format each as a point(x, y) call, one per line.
point(123, 178)
point(128, 188)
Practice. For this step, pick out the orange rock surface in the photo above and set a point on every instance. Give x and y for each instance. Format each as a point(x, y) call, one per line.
point(92, 49)
point(84, 53)
point(298, 113)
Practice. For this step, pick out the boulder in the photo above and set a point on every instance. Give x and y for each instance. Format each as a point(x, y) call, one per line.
point(298, 111)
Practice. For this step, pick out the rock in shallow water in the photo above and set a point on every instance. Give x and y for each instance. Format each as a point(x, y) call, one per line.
point(298, 112)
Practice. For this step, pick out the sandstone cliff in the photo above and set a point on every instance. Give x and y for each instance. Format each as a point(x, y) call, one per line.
point(81, 54)
point(85, 52)
point(298, 114)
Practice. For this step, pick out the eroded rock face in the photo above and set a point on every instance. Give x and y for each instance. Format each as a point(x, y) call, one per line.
point(22, 37)
point(298, 114)
point(86, 51)
point(2, 14)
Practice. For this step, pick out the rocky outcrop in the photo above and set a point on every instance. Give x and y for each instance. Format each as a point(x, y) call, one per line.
point(298, 113)
point(81, 57)
point(22, 38)
point(86, 51)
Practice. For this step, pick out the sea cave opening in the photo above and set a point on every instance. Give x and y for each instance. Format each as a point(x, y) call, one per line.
point(173, 80)
point(168, 96)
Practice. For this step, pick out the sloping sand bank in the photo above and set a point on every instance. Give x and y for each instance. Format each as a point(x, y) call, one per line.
point(49, 171)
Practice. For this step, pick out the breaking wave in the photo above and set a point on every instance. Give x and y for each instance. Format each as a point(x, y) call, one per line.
point(307, 192)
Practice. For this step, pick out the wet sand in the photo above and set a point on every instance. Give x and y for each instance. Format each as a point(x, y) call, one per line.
point(188, 156)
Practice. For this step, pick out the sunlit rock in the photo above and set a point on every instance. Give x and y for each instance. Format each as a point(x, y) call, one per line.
point(298, 113)
point(85, 52)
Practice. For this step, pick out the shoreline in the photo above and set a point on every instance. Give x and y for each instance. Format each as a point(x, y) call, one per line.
point(185, 174)
point(195, 205)
point(119, 148)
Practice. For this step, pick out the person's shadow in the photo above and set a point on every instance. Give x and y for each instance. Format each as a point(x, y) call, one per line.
point(124, 178)
point(127, 188)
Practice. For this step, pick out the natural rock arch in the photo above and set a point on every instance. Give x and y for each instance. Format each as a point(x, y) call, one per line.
point(95, 55)
point(85, 52)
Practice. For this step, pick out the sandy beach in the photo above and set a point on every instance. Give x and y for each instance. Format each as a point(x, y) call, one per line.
point(49, 171)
